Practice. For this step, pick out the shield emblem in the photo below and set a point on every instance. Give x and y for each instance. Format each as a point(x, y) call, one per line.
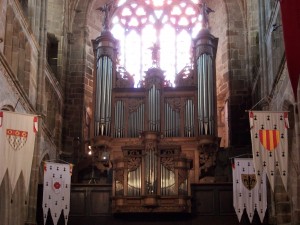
point(269, 139)
point(249, 181)
point(16, 138)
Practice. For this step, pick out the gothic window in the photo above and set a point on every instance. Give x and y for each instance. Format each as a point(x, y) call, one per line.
point(52, 52)
point(156, 33)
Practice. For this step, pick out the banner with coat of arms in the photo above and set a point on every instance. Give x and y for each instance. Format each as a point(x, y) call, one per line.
point(270, 143)
point(17, 140)
point(56, 194)
point(249, 190)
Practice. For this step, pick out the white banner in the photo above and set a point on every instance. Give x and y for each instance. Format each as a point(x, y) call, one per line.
point(270, 143)
point(17, 139)
point(249, 193)
point(56, 195)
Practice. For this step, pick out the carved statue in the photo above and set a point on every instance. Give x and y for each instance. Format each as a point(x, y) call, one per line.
point(155, 55)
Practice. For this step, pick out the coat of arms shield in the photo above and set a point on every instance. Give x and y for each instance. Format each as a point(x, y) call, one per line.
point(249, 181)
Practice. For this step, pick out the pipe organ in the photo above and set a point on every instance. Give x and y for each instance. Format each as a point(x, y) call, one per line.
point(154, 132)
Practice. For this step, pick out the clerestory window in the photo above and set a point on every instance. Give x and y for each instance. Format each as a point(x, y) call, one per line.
point(156, 33)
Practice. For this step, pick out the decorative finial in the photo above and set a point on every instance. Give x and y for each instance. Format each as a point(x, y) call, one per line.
point(106, 9)
point(205, 10)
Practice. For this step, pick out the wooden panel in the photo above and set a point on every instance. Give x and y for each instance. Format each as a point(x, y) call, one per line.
point(226, 202)
point(213, 199)
point(205, 202)
point(100, 202)
point(77, 203)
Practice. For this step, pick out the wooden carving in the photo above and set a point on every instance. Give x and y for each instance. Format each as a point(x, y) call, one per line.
point(119, 175)
point(168, 162)
point(133, 163)
point(185, 77)
point(174, 103)
point(134, 104)
point(182, 176)
point(124, 79)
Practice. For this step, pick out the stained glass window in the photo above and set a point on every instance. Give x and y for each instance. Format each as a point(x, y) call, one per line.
point(168, 24)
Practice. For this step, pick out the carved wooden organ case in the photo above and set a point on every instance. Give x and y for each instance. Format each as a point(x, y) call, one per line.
point(154, 132)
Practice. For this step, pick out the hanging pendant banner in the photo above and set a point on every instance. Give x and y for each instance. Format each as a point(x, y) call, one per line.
point(56, 195)
point(17, 140)
point(290, 14)
point(249, 190)
point(270, 143)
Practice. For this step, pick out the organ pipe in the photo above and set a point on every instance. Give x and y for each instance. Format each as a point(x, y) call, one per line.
point(136, 121)
point(105, 55)
point(205, 49)
point(154, 108)
point(134, 182)
point(119, 119)
point(172, 121)
point(103, 96)
point(206, 111)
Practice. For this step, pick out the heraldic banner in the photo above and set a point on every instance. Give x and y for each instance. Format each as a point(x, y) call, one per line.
point(17, 139)
point(249, 193)
point(270, 143)
point(56, 195)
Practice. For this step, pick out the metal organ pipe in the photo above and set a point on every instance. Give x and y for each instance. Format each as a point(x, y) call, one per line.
point(158, 110)
point(200, 98)
point(166, 120)
point(98, 97)
point(154, 108)
point(109, 93)
point(119, 119)
point(136, 121)
point(103, 96)
point(192, 118)
point(211, 97)
point(172, 121)
point(206, 95)
point(205, 49)
point(103, 102)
